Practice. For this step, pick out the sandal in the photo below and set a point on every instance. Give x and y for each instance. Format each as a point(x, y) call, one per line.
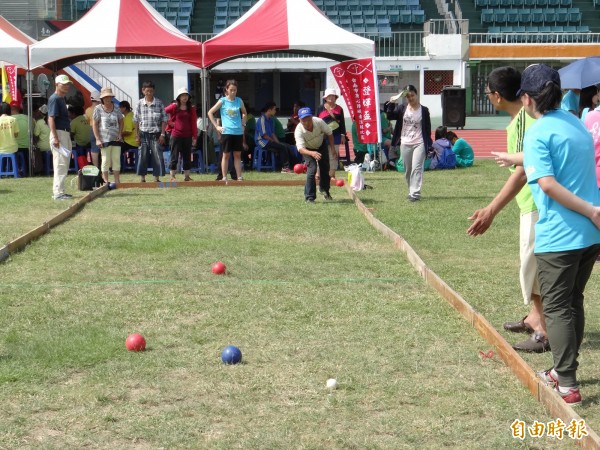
point(173, 179)
point(240, 179)
point(187, 179)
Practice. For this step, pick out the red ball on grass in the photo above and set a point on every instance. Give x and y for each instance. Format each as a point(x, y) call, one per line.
point(135, 343)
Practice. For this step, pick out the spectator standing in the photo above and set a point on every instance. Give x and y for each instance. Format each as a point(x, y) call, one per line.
point(559, 163)
point(413, 134)
point(310, 139)
point(60, 136)
point(151, 121)
point(184, 132)
point(233, 121)
point(501, 90)
point(592, 123)
point(333, 115)
point(108, 126)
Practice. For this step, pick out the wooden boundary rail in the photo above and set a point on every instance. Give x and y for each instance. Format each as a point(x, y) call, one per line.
point(544, 394)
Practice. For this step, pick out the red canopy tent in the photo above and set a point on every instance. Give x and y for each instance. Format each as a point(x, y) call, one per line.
point(296, 26)
point(116, 27)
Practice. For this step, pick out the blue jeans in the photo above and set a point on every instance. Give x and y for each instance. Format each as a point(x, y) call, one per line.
point(310, 188)
point(150, 148)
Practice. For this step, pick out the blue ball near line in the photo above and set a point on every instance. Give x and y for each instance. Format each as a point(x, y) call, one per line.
point(112, 186)
point(231, 355)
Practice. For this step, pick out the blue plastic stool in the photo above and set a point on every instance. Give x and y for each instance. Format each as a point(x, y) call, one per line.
point(263, 159)
point(132, 155)
point(9, 166)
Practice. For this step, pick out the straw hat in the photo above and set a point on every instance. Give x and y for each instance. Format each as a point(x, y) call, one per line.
point(106, 92)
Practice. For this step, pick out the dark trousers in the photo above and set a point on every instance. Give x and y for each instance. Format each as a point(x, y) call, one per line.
point(181, 146)
point(563, 276)
point(150, 148)
point(282, 151)
point(310, 188)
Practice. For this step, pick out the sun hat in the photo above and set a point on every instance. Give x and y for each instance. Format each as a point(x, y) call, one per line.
point(95, 96)
point(536, 77)
point(304, 112)
point(15, 104)
point(44, 109)
point(182, 91)
point(106, 92)
point(330, 91)
point(62, 79)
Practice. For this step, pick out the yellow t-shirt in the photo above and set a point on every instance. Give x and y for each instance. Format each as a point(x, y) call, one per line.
point(41, 130)
point(8, 128)
point(81, 130)
point(128, 126)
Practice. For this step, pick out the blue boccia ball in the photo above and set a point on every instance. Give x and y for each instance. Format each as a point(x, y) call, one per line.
point(112, 186)
point(231, 355)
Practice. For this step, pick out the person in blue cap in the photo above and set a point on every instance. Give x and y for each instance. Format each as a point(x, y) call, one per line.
point(310, 139)
point(559, 164)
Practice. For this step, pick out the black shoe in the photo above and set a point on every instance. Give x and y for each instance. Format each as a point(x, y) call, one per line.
point(310, 201)
point(413, 199)
point(326, 196)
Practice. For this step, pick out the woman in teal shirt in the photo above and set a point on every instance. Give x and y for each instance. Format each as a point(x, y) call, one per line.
point(462, 149)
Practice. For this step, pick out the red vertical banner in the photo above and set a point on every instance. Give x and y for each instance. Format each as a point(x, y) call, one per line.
point(11, 72)
point(357, 80)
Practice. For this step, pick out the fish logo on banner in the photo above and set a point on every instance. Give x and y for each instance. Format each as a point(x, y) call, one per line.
point(357, 81)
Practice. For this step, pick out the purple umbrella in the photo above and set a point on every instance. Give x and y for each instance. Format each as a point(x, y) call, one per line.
point(581, 73)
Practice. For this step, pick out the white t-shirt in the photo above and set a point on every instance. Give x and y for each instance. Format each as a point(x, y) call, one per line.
point(412, 132)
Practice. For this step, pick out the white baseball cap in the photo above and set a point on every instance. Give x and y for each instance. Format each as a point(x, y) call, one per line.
point(62, 79)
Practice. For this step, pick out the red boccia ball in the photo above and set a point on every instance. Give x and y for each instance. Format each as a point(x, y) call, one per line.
point(218, 268)
point(135, 343)
point(339, 183)
point(299, 168)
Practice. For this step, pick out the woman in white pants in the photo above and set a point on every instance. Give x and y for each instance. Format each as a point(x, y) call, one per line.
point(413, 134)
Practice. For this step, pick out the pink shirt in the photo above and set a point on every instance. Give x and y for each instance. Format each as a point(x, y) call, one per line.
point(592, 123)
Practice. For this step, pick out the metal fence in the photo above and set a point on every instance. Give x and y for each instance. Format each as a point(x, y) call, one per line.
point(395, 44)
point(537, 37)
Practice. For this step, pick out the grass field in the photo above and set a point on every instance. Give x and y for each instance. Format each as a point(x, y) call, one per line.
point(312, 292)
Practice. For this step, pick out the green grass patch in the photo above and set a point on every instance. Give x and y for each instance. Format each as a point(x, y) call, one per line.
point(312, 292)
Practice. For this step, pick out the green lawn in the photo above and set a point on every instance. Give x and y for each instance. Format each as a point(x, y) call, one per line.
point(312, 292)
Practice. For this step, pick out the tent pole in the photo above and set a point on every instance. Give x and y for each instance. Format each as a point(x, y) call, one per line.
point(28, 76)
point(203, 84)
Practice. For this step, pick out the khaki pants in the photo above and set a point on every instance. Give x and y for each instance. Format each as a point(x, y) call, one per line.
point(60, 162)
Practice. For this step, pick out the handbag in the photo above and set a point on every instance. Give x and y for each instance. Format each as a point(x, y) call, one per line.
point(88, 178)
